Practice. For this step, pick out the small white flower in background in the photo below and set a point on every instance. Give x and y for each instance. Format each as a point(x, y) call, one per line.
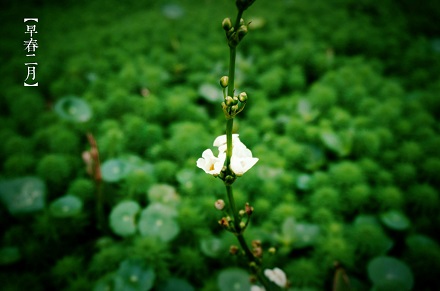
point(257, 288)
point(210, 163)
point(277, 276)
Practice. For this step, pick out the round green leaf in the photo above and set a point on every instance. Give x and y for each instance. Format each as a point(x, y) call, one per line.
point(211, 93)
point(73, 109)
point(123, 218)
point(303, 181)
point(9, 255)
point(172, 11)
point(306, 234)
point(395, 220)
point(164, 194)
point(158, 221)
point(388, 273)
point(23, 195)
point(114, 170)
point(211, 246)
point(233, 279)
point(134, 275)
point(176, 284)
point(66, 206)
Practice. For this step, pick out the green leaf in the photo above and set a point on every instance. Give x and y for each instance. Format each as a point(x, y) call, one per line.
point(23, 195)
point(123, 218)
point(233, 279)
point(299, 235)
point(395, 220)
point(73, 109)
point(306, 111)
point(66, 206)
point(114, 170)
point(303, 182)
point(163, 194)
point(388, 273)
point(211, 246)
point(158, 220)
point(134, 275)
point(211, 93)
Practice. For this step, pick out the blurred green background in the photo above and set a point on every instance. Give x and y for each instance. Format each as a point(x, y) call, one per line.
point(343, 114)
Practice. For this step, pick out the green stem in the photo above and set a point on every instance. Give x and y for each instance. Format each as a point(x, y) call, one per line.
point(229, 125)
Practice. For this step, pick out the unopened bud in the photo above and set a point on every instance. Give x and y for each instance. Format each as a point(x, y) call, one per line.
point(233, 250)
point(272, 250)
point(242, 224)
point(224, 81)
point(241, 21)
point(235, 100)
point(227, 24)
point(242, 97)
point(229, 101)
point(241, 212)
point(223, 222)
point(219, 204)
point(242, 31)
point(249, 209)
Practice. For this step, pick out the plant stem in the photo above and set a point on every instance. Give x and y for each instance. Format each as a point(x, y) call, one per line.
point(229, 125)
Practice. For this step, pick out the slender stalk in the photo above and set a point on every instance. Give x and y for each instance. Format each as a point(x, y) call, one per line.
point(229, 125)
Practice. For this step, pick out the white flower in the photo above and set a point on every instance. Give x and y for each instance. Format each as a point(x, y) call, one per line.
point(277, 276)
point(242, 160)
point(220, 142)
point(257, 288)
point(210, 163)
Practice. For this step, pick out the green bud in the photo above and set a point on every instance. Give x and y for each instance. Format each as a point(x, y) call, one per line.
point(229, 101)
point(242, 31)
point(227, 24)
point(241, 21)
point(241, 212)
point(242, 97)
point(242, 224)
point(235, 100)
point(224, 81)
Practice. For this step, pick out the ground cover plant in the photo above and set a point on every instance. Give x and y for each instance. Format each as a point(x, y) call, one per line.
point(99, 187)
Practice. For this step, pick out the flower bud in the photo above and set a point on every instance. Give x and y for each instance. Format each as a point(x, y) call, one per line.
point(223, 222)
point(241, 21)
point(242, 224)
point(219, 204)
point(235, 100)
point(242, 31)
point(233, 250)
point(249, 209)
point(242, 97)
point(227, 24)
point(224, 81)
point(272, 250)
point(241, 212)
point(229, 101)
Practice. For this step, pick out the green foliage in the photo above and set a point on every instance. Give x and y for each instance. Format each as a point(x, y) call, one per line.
point(342, 113)
point(55, 169)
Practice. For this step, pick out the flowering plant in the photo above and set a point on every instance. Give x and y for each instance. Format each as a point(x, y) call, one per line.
point(234, 159)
